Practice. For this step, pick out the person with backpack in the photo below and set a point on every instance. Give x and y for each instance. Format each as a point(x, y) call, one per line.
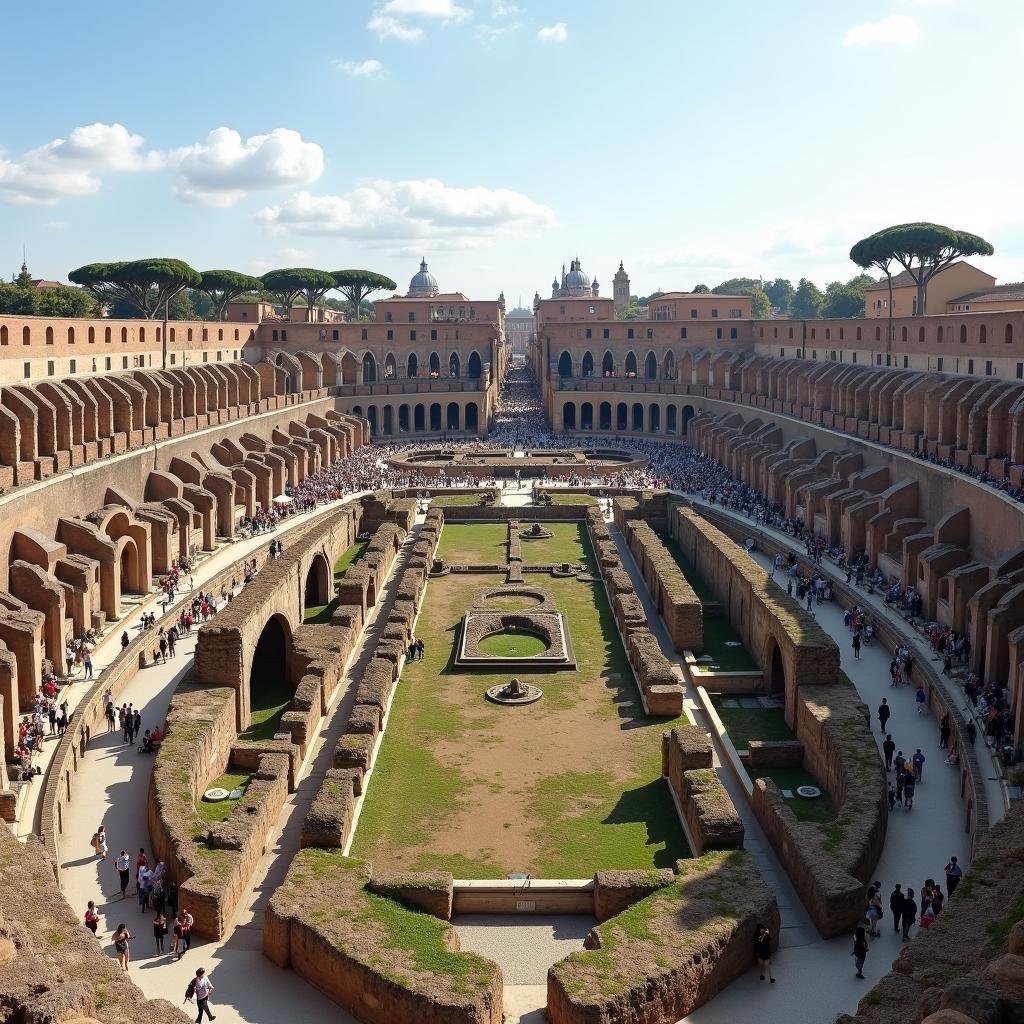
point(99, 843)
point(199, 988)
point(92, 917)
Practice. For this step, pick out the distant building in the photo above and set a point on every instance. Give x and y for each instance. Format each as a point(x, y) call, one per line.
point(1003, 296)
point(957, 279)
point(575, 284)
point(620, 288)
point(519, 327)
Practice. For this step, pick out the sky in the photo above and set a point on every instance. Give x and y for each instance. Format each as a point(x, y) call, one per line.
point(500, 139)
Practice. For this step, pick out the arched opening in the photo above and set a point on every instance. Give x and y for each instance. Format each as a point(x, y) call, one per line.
point(26, 335)
point(435, 417)
point(903, 334)
point(920, 334)
point(565, 365)
point(654, 419)
point(474, 367)
point(3, 334)
point(586, 416)
point(452, 421)
point(403, 419)
point(670, 366)
point(939, 334)
point(569, 415)
point(318, 585)
point(588, 365)
point(605, 416)
point(1009, 334)
point(471, 417)
point(389, 420)
point(106, 335)
point(270, 690)
point(777, 673)
point(638, 416)
point(630, 364)
point(412, 366)
point(651, 367)
point(671, 424)
point(124, 335)
point(390, 367)
point(608, 365)
point(349, 369)
point(435, 365)
point(71, 335)
point(369, 368)
point(982, 334)
point(418, 419)
point(131, 582)
point(963, 334)
point(371, 415)
point(453, 365)
point(687, 416)
point(622, 416)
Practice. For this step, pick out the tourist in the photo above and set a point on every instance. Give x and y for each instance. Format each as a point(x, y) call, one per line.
point(177, 931)
point(892, 797)
point(856, 649)
point(124, 640)
point(420, 647)
point(159, 930)
point(908, 790)
point(909, 913)
point(99, 842)
point(874, 911)
point(123, 866)
point(136, 724)
point(918, 761)
point(763, 952)
point(896, 902)
point(121, 939)
point(953, 875)
point(92, 917)
point(920, 698)
point(944, 730)
point(888, 749)
point(110, 716)
point(860, 950)
point(884, 713)
point(203, 988)
point(186, 931)
point(88, 664)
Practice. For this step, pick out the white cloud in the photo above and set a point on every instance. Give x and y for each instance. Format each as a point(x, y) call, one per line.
point(75, 166)
point(360, 68)
point(220, 170)
point(394, 214)
point(503, 9)
point(56, 225)
point(896, 30)
point(389, 19)
point(557, 33)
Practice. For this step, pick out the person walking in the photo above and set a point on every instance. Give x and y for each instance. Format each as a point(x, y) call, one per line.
point(888, 749)
point(909, 913)
point(896, 907)
point(110, 716)
point(953, 875)
point(99, 843)
point(123, 866)
point(918, 761)
point(88, 664)
point(873, 913)
point(92, 917)
point(763, 952)
point(856, 648)
point(884, 712)
point(159, 931)
point(136, 724)
point(908, 791)
point(124, 640)
point(920, 698)
point(944, 730)
point(860, 951)
point(121, 939)
point(177, 930)
point(203, 989)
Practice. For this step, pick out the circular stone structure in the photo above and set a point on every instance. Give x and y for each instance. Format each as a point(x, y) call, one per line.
point(505, 462)
point(514, 692)
point(216, 794)
point(808, 792)
point(514, 644)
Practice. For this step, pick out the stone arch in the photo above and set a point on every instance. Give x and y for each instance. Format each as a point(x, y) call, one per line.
point(569, 415)
point(454, 365)
point(637, 421)
point(369, 368)
point(651, 366)
point(654, 419)
point(350, 367)
point(129, 564)
point(317, 590)
point(412, 366)
point(688, 415)
point(776, 667)
point(435, 417)
point(622, 417)
point(388, 420)
point(268, 670)
point(419, 418)
point(605, 416)
point(608, 365)
point(474, 368)
point(371, 415)
point(565, 364)
point(668, 366)
point(630, 365)
point(587, 416)
point(435, 365)
point(588, 365)
point(452, 417)
point(671, 420)
point(403, 418)
point(472, 417)
point(390, 367)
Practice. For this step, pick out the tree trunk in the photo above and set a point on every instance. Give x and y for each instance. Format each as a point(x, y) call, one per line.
point(922, 285)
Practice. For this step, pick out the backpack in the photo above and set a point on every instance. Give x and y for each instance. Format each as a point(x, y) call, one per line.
point(190, 991)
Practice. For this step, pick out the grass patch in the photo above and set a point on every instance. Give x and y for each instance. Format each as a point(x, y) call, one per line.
point(270, 700)
point(820, 811)
point(320, 614)
point(513, 645)
point(473, 543)
point(718, 634)
point(220, 810)
point(746, 724)
point(569, 544)
point(998, 932)
point(700, 588)
point(572, 499)
point(447, 500)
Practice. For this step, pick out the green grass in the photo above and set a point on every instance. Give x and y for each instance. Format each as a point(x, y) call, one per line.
point(821, 811)
point(320, 614)
point(573, 499)
point(745, 724)
point(513, 645)
point(608, 807)
point(456, 499)
point(511, 604)
point(569, 544)
point(474, 543)
point(717, 632)
point(700, 588)
point(221, 809)
point(998, 932)
point(270, 700)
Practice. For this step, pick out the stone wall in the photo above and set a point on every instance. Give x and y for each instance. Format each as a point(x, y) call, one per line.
point(661, 958)
point(377, 960)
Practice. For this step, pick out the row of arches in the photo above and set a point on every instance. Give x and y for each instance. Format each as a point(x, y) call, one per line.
point(625, 417)
point(474, 366)
point(420, 418)
point(652, 369)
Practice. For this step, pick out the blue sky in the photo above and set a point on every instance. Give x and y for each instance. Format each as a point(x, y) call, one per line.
point(500, 138)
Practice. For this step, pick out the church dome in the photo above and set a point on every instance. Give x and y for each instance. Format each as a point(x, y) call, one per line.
point(423, 284)
point(576, 281)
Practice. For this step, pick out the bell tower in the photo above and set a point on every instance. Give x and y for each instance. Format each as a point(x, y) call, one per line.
point(620, 288)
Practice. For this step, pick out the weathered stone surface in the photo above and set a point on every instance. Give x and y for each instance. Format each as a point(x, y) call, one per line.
point(615, 891)
point(431, 891)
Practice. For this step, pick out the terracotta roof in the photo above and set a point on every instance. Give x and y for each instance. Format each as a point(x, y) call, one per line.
point(1000, 293)
point(904, 280)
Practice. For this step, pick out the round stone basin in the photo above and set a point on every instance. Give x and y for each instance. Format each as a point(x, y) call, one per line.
point(513, 645)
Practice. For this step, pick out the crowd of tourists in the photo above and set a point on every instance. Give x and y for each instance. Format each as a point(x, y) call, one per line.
point(983, 476)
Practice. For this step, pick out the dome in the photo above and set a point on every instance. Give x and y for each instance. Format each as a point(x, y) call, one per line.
point(576, 281)
point(423, 284)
